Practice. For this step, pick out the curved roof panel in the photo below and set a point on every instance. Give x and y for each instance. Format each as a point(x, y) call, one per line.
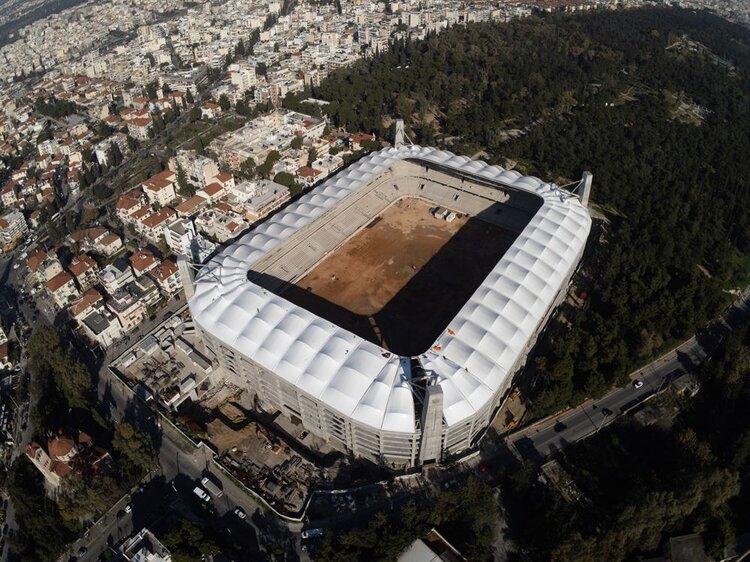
point(472, 358)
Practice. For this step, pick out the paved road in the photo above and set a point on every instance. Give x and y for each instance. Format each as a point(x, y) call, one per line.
point(543, 439)
point(179, 459)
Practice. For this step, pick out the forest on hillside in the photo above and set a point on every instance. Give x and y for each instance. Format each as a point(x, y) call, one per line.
point(654, 102)
point(637, 486)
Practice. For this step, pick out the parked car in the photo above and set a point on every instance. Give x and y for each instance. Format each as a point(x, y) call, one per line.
point(309, 533)
point(202, 494)
point(238, 511)
point(637, 383)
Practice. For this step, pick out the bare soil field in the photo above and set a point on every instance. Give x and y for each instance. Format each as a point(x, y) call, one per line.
point(400, 280)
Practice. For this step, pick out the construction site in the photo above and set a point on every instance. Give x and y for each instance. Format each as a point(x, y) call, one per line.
point(387, 310)
point(400, 279)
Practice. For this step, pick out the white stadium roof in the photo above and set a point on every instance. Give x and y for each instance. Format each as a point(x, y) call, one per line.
point(472, 358)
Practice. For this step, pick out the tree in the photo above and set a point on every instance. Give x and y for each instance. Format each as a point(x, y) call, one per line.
point(115, 154)
point(189, 97)
point(45, 135)
point(42, 534)
point(187, 542)
point(195, 114)
point(185, 188)
point(135, 451)
point(312, 156)
point(224, 102)
point(58, 367)
point(247, 169)
point(152, 90)
point(288, 180)
point(297, 142)
point(265, 169)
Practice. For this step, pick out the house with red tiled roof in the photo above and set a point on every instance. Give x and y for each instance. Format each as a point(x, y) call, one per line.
point(85, 304)
point(140, 127)
point(211, 110)
point(167, 276)
point(62, 288)
point(225, 179)
point(109, 245)
point(308, 175)
point(153, 226)
point(8, 194)
point(212, 192)
point(130, 203)
point(85, 271)
point(190, 206)
point(142, 261)
point(4, 357)
point(43, 266)
point(356, 140)
point(160, 189)
point(67, 452)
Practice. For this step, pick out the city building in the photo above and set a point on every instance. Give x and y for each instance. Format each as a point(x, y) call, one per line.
point(167, 277)
point(179, 234)
point(85, 271)
point(144, 547)
point(127, 308)
point(62, 289)
point(199, 170)
point(13, 228)
point(160, 189)
point(67, 451)
point(116, 275)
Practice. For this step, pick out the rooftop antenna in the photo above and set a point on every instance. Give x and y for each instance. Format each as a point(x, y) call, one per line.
point(398, 142)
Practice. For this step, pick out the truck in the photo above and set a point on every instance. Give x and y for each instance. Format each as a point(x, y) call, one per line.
point(211, 487)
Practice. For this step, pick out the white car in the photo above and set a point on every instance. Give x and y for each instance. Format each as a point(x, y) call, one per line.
point(239, 513)
point(202, 494)
point(637, 383)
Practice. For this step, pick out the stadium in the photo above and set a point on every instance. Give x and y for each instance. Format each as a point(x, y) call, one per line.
point(388, 309)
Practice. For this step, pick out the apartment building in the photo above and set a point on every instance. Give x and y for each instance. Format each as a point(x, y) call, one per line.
point(160, 189)
point(13, 228)
point(62, 289)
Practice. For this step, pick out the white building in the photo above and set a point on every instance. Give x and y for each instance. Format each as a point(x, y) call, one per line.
point(199, 170)
point(62, 288)
point(356, 395)
point(144, 547)
point(12, 229)
point(160, 189)
point(179, 233)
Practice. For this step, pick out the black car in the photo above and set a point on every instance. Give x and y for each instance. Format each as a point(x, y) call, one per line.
point(560, 426)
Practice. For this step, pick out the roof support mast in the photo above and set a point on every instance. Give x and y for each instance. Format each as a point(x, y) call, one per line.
point(400, 135)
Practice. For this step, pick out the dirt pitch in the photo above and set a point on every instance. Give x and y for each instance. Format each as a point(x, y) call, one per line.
point(400, 280)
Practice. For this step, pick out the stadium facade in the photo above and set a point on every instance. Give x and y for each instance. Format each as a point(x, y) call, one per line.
point(399, 412)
